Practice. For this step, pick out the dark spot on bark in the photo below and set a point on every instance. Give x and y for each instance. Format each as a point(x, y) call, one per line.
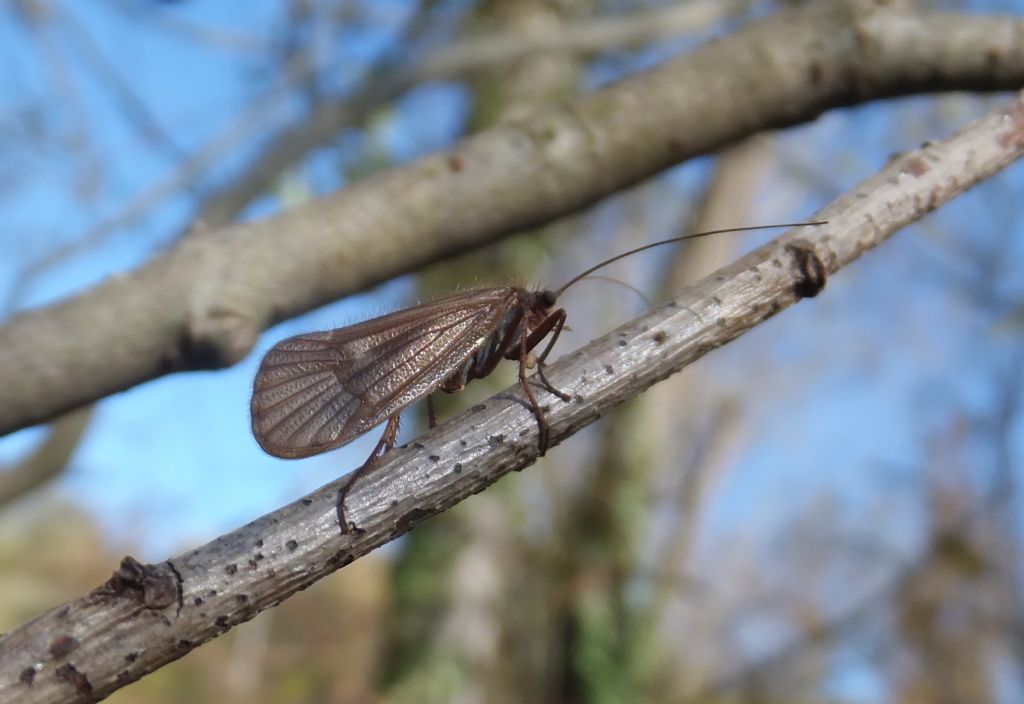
point(259, 543)
point(185, 644)
point(463, 443)
point(70, 674)
point(222, 622)
point(170, 360)
point(349, 559)
point(479, 407)
point(253, 564)
point(131, 657)
point(197, 601)
point(179, 585)
point(211, 593)
point(394, 503)
point(241, 598)
point(231, 569)
point(916, 166)
point(435, 458)
point(623, 343)
point(609, 369)
point(155, 586)
point(64, 611)
point(27, 676)
point(496, 440)
point(418, 445)
point(457, 468)
point(411, 518)
point(659, 336)
point(62, 646)
point(813, 272)
point(355, 530)
point(307, 502)
point(203, 346)
point(454, 163)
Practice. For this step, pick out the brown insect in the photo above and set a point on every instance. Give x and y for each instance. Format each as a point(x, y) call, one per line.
point(317, 391)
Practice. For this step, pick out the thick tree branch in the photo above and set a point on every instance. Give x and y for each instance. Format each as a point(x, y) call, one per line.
point(203, 304)
point(147, 615)
point(387, 81)
point(587, 36)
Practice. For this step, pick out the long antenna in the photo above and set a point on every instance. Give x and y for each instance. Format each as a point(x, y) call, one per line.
point(559, 291)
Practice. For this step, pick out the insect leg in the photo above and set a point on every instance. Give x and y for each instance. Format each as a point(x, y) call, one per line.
point(553, 324)
point(538, 413)
point(431, 413)
point(386, 442)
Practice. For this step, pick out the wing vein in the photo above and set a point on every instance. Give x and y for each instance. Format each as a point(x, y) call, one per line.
point(317, 391)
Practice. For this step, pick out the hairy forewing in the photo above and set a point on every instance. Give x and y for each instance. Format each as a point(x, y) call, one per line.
point(317, 391)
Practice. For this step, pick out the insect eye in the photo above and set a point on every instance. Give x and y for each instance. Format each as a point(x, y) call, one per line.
point(548, 297)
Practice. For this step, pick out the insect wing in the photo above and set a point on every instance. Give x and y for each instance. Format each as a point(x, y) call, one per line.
point(317, 391)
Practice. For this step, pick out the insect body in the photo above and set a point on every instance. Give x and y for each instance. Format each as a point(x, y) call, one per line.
point(317, 391)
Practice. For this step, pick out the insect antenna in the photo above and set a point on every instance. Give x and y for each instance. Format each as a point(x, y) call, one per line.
point(626, 284)
point(628, 253)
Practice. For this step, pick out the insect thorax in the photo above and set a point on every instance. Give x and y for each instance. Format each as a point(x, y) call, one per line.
point(524, 308)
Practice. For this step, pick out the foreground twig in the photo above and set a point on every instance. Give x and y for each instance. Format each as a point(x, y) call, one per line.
point(204, 304)
point(148, 615)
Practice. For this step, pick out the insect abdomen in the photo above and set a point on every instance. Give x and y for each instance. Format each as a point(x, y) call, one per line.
point(487, 355)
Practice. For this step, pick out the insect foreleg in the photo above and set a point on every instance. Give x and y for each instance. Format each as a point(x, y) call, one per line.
point(542, 423)
point(553, 324)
